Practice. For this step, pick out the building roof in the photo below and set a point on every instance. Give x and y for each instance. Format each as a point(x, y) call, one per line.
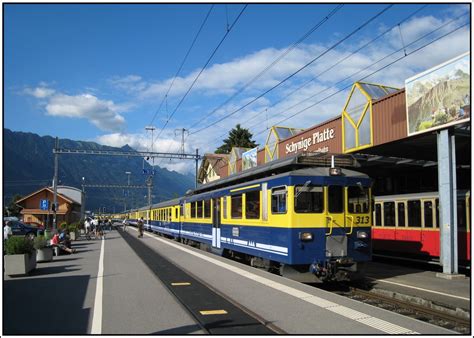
point(51, 191)
point(211, 159)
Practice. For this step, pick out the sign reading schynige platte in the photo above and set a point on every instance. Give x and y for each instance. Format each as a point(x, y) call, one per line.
point(305, 143)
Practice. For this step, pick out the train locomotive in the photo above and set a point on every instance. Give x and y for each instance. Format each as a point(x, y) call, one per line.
point(310, 224)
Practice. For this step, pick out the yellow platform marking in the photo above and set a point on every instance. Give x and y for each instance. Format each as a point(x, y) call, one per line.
point(213, 312)
point(180, 284)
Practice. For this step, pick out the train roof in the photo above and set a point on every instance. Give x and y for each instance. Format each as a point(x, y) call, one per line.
point(419, 195)
point(310, 171)
point(284, 165)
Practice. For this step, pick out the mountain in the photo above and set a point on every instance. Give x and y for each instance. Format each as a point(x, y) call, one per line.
point(28, 165)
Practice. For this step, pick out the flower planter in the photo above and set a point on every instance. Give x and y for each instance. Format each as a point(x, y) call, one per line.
point(44, 255)
point(72, 235)
point(20, 264)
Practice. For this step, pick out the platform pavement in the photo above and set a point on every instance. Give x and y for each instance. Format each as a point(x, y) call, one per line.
point(58, 297)
point(416, 285)
point(135, 301)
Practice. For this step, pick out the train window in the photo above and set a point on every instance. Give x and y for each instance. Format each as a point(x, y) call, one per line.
point(358, 200)
point(335, 199)
point(309, 199)
point(378, 214)
point(389, 214)
point(461, 214)
point(401, 214)
point(199, 209)
point(279, 200)
point(428, 208)
point(236, 206)
point(437, 211)
point(224, 207)
point(169, 214)
point(252, 204)
point(207, 209)
point(193, 209)
point(414, 213)
point(176, 212)
point(181, 210)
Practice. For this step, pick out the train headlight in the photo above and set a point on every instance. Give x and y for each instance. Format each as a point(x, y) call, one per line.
point(362, 234)
point(306, 236)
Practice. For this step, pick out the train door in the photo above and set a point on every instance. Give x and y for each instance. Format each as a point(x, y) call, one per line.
point(216, 223)
point(337, 229)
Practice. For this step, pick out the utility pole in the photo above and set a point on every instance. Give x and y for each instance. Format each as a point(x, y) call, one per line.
point(149, 181)
point(197, 156)
point(126, 194)
point(55, 185)
point(183, 131)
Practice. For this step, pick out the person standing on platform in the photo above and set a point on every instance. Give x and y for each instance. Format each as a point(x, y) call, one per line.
point(7, 230)
point(125, 223)
point(140, 227)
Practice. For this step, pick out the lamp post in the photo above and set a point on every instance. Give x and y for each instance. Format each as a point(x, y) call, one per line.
point(128, 173)
point(83, 202)
point(149, 181)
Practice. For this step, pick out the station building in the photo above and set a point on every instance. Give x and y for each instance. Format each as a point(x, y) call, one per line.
point(37, 206)
point(409, 140)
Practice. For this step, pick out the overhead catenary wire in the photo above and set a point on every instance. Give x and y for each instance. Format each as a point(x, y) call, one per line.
point(273, 63)
point(201, 71)
point(331, 67)
point(367, 67)
point(182, 63)
point(296, 72)
point(365, 77)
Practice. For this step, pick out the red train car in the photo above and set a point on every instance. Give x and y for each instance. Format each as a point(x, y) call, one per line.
point(407, 226)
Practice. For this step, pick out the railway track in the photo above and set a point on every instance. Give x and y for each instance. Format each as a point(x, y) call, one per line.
point(432, 316)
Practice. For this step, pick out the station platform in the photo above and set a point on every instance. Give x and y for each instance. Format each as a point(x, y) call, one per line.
point(423, 287)
point(122, 285)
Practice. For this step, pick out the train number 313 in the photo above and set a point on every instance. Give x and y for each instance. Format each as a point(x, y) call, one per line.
point(362, 219)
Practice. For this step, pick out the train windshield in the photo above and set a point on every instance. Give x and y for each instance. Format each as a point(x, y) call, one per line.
point(358, 199)
point(309, 199)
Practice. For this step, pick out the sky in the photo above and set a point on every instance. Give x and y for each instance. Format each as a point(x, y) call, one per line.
point(104, 72)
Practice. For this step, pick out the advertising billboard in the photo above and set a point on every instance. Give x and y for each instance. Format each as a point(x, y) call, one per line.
point(249, 159)
point(440, 96)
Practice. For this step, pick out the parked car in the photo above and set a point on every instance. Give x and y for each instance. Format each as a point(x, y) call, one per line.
point(19, 229)
point(35, 224)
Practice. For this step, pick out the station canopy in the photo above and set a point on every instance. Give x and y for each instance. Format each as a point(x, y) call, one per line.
point(275, 135)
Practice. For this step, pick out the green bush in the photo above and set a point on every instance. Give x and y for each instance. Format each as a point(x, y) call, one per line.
point(62, 226)
point(72, 227)
point(39, 242)
point(17, 245)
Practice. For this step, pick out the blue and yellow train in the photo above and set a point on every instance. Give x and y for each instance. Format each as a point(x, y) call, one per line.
point(310, 224)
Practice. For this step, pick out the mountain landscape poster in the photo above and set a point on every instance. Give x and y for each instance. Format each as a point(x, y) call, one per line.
point(249, 159)
point(440, 96)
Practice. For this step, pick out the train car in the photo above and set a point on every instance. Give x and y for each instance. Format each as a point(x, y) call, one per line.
point(311, 224)
point(407, 226)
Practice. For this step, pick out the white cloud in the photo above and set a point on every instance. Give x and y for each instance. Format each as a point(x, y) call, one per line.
point(130, 83)
point(39, 92)
point(104, 114)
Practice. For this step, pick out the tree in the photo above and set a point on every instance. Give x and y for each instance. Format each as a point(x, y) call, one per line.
point(12, 209)
point(238, 137)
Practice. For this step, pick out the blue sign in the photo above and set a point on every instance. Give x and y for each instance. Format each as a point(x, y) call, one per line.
point(148, 171)
point(44, 204)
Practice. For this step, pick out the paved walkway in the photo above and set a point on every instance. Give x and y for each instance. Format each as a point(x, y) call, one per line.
point(116, 292)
